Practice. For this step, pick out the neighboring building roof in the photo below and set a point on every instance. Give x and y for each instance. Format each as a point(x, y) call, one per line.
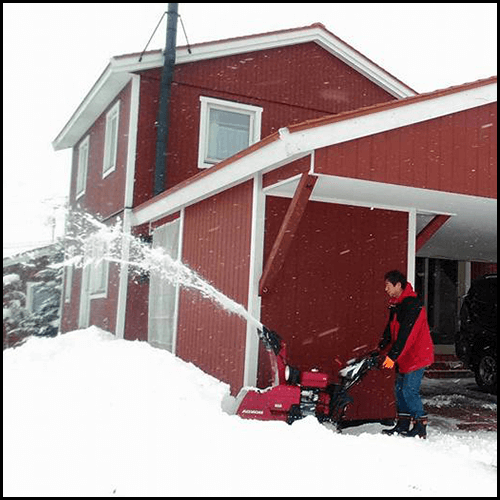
point(29, 255)
point(120, 69)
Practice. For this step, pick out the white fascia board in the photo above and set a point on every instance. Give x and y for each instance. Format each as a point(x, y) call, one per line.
point(250, 44)
point(107, 87)
point(389, 119)
point(268, 157)
point(132, 141)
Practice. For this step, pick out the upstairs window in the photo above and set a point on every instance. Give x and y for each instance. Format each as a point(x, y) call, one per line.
point(111, 140)
point(226, 128)
point(83, 160)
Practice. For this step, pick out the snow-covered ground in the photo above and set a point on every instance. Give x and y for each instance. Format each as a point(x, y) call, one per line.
point(85, 414)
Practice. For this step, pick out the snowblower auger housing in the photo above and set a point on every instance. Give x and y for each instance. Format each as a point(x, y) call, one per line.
point(297, 394)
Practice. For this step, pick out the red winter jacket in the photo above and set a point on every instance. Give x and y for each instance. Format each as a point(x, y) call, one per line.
point(408, 333)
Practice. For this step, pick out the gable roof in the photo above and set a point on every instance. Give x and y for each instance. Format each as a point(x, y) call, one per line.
point(32, 254)
point(121, 68)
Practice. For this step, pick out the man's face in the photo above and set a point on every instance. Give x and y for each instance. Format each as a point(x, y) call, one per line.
point(394, 291)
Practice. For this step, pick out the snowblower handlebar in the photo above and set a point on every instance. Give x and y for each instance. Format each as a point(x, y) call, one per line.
point(356, 368)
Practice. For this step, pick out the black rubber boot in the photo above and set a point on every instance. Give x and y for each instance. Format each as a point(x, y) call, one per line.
point(419, 428)
point(402, 425)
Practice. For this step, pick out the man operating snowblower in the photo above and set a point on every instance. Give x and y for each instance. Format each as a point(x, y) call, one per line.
point(410, 350)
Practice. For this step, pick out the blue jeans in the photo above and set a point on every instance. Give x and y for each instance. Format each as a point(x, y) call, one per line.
point(407, 392)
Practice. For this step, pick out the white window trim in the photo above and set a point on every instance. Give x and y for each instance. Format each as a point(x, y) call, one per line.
point(95, 260)
point(100, 294)
point(30, 293)
point(30, 285)
point(82, 169)
point(110, 157)
point(68, 283)
point(207, 103)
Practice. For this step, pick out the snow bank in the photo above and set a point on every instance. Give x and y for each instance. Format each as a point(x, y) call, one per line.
point(86, 414)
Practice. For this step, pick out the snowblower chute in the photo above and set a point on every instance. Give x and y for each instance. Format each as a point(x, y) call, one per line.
point(299, 394)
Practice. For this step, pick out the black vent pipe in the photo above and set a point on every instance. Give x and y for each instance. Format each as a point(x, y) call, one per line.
point(160, 181)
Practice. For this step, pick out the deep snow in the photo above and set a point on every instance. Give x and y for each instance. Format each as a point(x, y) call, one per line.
point(86, 414)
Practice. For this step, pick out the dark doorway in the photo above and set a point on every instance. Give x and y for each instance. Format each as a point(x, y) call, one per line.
point(436, 281)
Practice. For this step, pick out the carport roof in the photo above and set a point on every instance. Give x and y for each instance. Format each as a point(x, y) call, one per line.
point(461, 238)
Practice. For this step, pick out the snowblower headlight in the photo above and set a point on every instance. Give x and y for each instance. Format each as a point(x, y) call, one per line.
point(287, 373)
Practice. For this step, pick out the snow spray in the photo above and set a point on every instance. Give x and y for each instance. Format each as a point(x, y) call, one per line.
point(85, 233)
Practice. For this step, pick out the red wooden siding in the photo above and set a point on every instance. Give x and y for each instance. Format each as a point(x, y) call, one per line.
point(304, 76)
point(480, 268)
point(146, 136)
point(291, 84)
point(103, 310)
point(289, 170)
point(136, 311)
point(216, 244)
point(454, 153)
point(70, 310)
point(329, 297)
point(105, 196)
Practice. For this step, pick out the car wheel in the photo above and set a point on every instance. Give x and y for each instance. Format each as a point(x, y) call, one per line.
point(486, 372)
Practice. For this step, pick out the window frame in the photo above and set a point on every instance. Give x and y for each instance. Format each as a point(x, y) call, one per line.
point(82, 169)
point(111, 140)
point(209, 103)
point(31, 287)
point(68, 283)
point(99, 268)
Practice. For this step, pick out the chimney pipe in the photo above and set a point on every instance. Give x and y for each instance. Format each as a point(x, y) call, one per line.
point(160, 180)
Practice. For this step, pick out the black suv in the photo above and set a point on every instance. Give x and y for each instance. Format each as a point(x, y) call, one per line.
point(476, 340)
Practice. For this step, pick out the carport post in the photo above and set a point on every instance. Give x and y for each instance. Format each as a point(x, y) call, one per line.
point(287, 230)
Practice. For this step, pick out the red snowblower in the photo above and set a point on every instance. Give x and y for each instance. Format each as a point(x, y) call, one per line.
point(299, 394)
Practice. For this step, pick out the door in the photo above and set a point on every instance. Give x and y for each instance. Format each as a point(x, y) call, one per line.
point(163, 294)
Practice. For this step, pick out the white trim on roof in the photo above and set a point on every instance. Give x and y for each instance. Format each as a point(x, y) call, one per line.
point(102, 93)
point(132, 141)
point(118, 72)
point(252, 43)
point(391, 118)
point(291, 146)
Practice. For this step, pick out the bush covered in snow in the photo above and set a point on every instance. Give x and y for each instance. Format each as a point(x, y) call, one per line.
point(31, 295)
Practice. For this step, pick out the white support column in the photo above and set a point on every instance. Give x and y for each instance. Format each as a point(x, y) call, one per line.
point(123, 279)
point(256, 264)
point(177, 293)
point(412, 245)
point(128, 203)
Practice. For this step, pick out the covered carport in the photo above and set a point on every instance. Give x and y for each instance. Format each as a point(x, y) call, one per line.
point(441, 224)
point(416, 178)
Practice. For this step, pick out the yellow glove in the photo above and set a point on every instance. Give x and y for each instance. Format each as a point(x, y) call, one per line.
point(388, 363)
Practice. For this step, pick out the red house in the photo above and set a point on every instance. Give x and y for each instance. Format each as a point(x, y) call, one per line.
point(297, 173)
